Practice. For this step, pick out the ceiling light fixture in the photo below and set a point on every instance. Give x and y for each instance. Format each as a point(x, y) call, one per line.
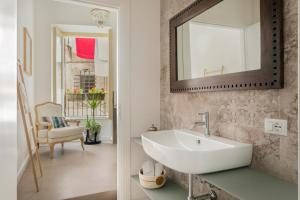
point(99, 16)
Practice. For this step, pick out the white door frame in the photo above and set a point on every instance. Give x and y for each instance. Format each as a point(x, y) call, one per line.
point(123, 88)
point(124, 97)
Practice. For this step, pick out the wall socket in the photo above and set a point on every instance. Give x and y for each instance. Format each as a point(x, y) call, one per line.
point(276, 126)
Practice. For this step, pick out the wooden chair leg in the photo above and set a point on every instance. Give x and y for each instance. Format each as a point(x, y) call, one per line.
point(51, 145)
point(62, 148)
point(81, 141)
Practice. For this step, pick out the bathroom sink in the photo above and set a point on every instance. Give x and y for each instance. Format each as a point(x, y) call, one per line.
point(193, 153)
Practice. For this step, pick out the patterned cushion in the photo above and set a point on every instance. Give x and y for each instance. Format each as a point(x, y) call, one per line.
point(48, 120)
point(64, 122)
point(57, 122)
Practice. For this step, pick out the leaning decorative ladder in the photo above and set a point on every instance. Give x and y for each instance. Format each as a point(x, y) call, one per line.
point(27, 117)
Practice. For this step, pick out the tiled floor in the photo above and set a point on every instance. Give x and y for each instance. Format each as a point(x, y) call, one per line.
point(72, 173)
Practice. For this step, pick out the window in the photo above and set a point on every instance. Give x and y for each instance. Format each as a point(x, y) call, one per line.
point(84, 65)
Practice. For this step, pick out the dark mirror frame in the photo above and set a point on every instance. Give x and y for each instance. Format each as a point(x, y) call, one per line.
point(270, 76)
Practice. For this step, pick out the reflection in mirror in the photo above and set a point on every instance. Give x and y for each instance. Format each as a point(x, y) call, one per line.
point(225, 39)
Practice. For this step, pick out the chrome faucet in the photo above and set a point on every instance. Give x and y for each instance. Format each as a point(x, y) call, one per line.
point(204, 122)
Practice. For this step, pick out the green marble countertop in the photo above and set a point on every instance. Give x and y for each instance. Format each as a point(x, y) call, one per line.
point(250, 184)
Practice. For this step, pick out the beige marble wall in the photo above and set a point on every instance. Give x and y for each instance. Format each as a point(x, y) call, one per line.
point(239, 115)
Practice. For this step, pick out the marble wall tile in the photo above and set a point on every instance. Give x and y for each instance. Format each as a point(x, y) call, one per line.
point(239, 115)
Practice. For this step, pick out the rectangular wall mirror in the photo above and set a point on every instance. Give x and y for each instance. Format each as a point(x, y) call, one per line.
point(226, 45)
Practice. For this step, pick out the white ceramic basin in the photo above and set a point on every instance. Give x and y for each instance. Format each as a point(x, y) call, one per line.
point(180, 151)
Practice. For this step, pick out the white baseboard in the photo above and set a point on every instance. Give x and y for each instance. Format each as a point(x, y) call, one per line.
point(106, 139)
point(23, 168)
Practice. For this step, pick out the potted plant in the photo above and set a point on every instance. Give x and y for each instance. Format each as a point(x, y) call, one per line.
point(75, 91)
point(93, 128)
point(94, 99)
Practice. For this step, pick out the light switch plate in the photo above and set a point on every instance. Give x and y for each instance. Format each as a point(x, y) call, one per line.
point(276, 126)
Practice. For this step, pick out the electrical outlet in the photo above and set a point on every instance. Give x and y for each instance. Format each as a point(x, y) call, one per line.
point(276, 126)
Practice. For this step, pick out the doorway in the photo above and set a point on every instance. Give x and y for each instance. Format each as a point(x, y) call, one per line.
point(73, 173)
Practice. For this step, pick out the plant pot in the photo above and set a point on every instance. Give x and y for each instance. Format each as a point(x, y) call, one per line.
point(91, 139)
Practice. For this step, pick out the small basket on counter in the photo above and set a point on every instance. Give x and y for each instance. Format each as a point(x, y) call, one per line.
point(152, 182)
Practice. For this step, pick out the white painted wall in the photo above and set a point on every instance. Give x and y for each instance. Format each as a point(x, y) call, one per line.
point(25, 19)
point(8, 99)
point(145, 76)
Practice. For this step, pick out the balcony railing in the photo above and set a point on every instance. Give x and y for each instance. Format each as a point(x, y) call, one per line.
point(76, 106)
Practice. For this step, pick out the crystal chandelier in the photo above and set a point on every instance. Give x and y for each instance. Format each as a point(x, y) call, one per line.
point(99, 16)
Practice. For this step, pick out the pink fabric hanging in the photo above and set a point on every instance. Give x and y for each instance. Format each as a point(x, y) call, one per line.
point(85, 48)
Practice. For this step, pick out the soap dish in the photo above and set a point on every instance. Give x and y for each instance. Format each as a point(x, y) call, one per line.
point(152, 182)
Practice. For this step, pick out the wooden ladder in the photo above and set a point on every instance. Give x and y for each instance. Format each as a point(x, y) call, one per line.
point(25, 111)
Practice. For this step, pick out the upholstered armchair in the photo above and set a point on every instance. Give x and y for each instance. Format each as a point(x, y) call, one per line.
point(47, 134)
